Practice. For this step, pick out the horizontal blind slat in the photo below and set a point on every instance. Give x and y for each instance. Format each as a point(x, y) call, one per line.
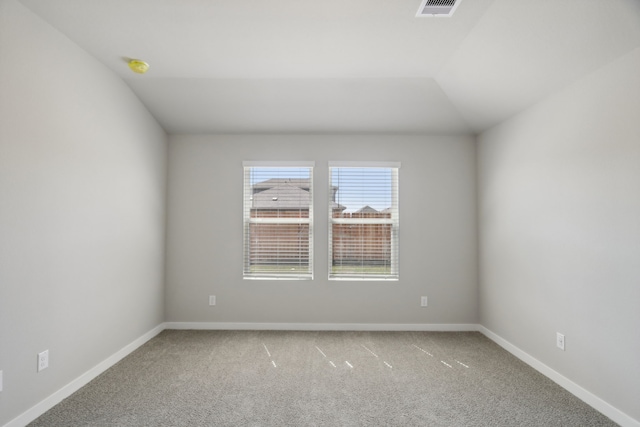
point(278, 219)
point(363, 222)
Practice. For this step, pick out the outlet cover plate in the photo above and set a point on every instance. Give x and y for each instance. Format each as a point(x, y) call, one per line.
point(423, 301)
point(43, 360)
point(212, 300)
point(560, 341)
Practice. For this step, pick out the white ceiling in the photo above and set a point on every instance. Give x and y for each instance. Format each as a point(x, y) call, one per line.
point(340, 66)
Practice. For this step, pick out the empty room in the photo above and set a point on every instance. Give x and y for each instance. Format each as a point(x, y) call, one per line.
point(338, 213)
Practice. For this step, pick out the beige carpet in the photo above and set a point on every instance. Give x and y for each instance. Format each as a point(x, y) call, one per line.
point(282, 378)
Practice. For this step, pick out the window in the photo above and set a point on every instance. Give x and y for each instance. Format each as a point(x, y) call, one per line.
point(278, 220)
point(363, 221)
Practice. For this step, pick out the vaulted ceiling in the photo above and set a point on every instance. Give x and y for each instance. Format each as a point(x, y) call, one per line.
point(341, 66)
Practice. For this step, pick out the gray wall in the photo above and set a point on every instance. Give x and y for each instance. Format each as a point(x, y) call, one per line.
point(559, 221)
point(82, 198)
point(437, 233)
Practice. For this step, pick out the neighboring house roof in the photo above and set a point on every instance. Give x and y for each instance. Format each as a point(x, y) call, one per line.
point(285, 193)
point(284, 196)
point(366, 210)
point(337, 206)
point(276, 182)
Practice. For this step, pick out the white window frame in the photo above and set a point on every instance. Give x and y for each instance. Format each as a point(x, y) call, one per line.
point(248, 220)
point(394, 221)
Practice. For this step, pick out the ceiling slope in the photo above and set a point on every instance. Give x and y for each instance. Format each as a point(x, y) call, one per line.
point(220, 66)
point(234, 39)
point(523, 51)
point(407, 105)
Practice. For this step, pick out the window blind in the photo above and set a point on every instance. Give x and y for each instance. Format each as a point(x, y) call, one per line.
point(363, 221)
point(278, 221)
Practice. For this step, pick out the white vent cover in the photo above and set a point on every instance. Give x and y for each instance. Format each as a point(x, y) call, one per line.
point(437, 8)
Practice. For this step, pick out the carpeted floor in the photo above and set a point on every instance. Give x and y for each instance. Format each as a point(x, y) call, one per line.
point(284, 378)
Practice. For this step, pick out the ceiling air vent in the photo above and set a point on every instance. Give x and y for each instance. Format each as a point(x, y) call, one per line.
point(437, 8)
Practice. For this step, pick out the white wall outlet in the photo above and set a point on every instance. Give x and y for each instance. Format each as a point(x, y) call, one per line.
point(423, 301)
point(212, 300)
point(0, 380)
point(43, 360)
point(560, 341)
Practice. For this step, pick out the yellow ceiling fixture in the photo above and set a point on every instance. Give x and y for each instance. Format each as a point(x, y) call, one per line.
point(138, 66)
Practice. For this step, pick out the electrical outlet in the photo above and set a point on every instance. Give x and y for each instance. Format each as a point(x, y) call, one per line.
point(560, 341)
point(423, 301)
point(43, 360)
point(212, 300)
point(0, 380)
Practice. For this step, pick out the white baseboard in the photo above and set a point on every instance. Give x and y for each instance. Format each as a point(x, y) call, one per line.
point(66, 391)
point(457, 327)
point(589, 398)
